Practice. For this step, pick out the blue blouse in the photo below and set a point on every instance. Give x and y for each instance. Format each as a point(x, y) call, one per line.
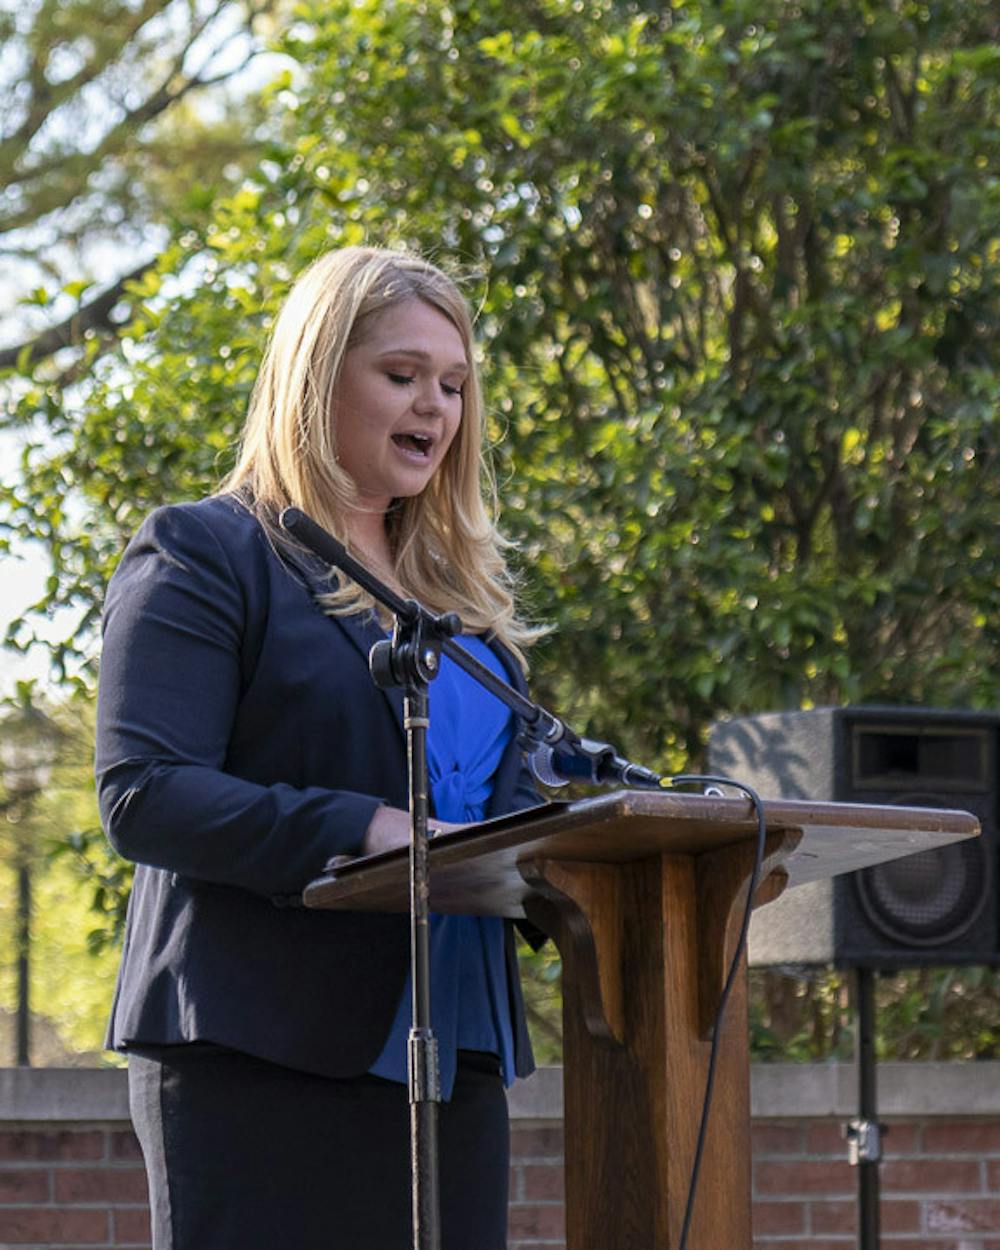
point(470, 1004)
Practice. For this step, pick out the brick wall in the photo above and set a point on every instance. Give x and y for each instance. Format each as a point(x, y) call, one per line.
point(939, 1186)
point(536, 1185)
point(72, 1186)
point(71, 1174)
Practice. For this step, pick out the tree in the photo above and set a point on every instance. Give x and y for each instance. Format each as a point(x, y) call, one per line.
point(738, 279)
point(741, 281)
point(100, 121)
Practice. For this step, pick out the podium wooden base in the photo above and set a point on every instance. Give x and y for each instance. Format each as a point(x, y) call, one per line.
point(646, 947)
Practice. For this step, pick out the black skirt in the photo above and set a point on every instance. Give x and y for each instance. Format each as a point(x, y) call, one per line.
point(246, 1155)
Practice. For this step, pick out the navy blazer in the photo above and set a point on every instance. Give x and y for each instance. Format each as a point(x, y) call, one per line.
point(240, 744)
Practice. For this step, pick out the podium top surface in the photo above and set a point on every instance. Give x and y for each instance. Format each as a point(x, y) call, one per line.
point(475, 870)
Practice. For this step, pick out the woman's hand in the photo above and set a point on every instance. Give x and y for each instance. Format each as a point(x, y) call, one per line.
point(390, 828)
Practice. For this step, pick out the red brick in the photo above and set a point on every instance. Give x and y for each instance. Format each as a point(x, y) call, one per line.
point(28, 1146)
point(993, 1176)
point(543, 1182)
point(125, 1145)
point(934, 1243)
point(778, 1217)
point(969, 1137)
point(937, 1176)
point(536, 1143)
point(803, 1176)
point(834, 1217)
point(899, 1217)
point(826, 1139)
point(901, 1139)
point(776, 1139)
point(101, 1185)
point(541, 1223)
point(21, 1185)
point(818, 1243)
point(22, 1226)
point(841, 1218)
point(967, 1215)
point(131, 1225)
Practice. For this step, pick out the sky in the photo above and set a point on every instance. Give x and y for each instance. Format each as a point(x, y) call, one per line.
point(22, 577)
point(23, 582)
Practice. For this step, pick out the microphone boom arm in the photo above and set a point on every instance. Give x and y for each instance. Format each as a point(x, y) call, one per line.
point(557, 754)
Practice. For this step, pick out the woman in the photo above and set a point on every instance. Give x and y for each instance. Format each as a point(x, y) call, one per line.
point(242, 744)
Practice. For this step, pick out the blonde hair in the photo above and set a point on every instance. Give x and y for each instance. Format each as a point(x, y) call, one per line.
point(446, 549)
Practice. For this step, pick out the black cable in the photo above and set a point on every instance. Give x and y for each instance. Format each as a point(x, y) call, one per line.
point(707, 780)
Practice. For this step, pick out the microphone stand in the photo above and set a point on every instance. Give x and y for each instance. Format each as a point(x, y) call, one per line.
point(412, 659)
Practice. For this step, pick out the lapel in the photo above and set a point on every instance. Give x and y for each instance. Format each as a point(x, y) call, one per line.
point(505, 781)
point(362, 628)
point(515, 673)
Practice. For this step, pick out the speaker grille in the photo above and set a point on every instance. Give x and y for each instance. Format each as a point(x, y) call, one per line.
point(931, 898)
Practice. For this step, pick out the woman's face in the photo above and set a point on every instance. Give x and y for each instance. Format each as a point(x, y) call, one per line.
point(398, 402)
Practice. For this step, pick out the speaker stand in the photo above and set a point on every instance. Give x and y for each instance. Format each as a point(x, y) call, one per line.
point(864, 1134)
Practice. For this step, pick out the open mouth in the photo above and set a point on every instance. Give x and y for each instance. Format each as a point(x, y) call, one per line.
point(416, 444)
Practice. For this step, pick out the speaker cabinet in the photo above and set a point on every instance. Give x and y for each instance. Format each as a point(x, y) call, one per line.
point(936, 907)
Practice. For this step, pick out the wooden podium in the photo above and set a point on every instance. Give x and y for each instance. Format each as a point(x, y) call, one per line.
point(643, 892)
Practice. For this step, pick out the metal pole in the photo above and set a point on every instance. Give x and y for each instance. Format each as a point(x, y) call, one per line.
point(424, 1080)
point(23, 1022)
point(864, 1134)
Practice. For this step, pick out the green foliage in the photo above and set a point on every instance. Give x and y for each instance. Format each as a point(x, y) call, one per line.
point(541, 979)
point(741, 272)
point(927, 1013)
point(73, 929)
point(737, 272)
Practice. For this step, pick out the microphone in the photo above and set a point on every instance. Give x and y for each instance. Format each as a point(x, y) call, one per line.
point(637, 775)
point(582, 759)
point(540, 762)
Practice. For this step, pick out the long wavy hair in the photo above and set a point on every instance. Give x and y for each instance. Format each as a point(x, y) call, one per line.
point(446, 549)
